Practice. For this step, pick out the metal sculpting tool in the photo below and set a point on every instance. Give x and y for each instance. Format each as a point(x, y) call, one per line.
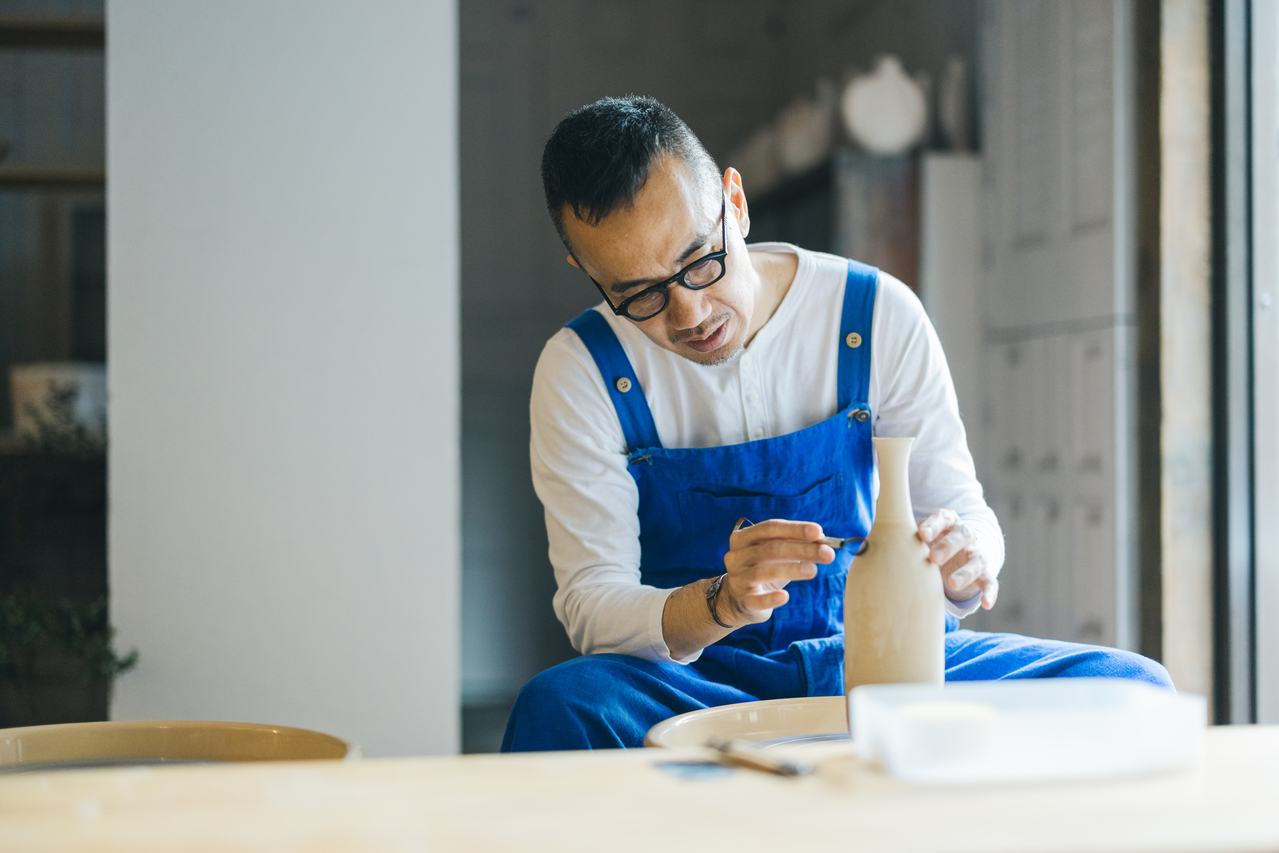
point(833, 541)
point(741, 754)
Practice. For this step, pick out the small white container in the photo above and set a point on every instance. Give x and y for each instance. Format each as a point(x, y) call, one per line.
point(1027, 730)
point(36, 388)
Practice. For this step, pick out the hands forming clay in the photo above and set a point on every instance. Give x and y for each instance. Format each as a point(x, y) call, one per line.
point(954, 547)
point(760, 562)
point(764, 558)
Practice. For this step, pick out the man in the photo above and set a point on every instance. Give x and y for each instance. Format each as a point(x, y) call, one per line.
point(719, 382)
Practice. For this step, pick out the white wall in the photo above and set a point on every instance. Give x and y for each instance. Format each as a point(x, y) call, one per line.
point(283, 290)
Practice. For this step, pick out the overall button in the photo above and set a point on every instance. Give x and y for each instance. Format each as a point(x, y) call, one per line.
point(623, 384)
point(859, 415)
point(854, 340)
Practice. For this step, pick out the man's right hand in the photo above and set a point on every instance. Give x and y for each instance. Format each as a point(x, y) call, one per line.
point(761, 560)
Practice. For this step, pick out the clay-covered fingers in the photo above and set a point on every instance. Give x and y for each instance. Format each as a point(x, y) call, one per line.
point(965, 574)
point(953, 546)
point(950, 544)
point(990, 593)
point(937, 524)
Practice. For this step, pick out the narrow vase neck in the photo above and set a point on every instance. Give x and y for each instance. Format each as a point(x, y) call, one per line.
point(893, 505)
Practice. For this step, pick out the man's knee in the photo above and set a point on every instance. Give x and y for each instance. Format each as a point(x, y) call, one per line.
point(557, 687)
point(973, 656)
point(1104, 662)
point(575, 683)
point(593, 690)
point(1132, 665)
point(585, 703)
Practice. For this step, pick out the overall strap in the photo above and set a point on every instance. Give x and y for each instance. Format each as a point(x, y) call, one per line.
point(619, 378)
point(854, 334)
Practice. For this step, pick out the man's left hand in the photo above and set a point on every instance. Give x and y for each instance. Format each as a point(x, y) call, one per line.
point(953, 546)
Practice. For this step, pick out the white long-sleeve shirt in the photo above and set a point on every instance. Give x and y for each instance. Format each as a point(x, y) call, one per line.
point(579, 454)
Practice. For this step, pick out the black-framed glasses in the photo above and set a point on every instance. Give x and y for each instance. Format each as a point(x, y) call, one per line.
point(700, 274)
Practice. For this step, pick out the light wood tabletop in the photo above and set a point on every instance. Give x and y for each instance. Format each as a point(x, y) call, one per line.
point(624, 801)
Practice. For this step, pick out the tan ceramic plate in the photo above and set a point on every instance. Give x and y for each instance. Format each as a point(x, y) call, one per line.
point(179, 741)
point(768, 723)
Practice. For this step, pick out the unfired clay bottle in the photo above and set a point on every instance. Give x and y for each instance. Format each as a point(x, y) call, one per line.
point(894, 624)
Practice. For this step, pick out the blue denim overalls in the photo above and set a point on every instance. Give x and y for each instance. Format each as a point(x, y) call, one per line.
point(689, 500)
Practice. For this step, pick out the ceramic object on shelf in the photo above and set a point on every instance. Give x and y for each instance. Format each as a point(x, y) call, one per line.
point(894, 623)
point(804, 130)
point(756, 160)
point(953, 105)
point(885, 112)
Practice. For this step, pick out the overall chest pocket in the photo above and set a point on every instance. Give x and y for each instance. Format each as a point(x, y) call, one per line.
point(708, 517)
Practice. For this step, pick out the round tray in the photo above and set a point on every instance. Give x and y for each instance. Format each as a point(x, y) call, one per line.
point(772, 722)
point(129, 743)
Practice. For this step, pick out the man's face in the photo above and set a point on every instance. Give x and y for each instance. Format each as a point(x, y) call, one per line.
point(673, 222)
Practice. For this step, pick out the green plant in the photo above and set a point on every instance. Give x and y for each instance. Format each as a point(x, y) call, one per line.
point(29, 626)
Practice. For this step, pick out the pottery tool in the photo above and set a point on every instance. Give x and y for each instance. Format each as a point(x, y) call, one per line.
point(833, 541)
point(740, 754)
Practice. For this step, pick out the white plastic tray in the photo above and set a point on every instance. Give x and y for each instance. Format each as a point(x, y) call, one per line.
point(1042, 729)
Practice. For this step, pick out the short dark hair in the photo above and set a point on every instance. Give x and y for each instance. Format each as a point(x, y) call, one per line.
point(598, 156)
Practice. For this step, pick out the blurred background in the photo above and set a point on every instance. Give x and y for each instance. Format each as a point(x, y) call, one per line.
point(53, 556)
point(332, 274)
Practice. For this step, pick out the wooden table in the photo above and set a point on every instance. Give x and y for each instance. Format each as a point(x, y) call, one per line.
point(624, 801)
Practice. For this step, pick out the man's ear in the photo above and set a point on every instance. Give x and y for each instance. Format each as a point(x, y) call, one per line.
point(572, 260)
point(737, 200)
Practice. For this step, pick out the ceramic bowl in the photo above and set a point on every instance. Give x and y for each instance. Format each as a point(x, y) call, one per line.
point(817, 718)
